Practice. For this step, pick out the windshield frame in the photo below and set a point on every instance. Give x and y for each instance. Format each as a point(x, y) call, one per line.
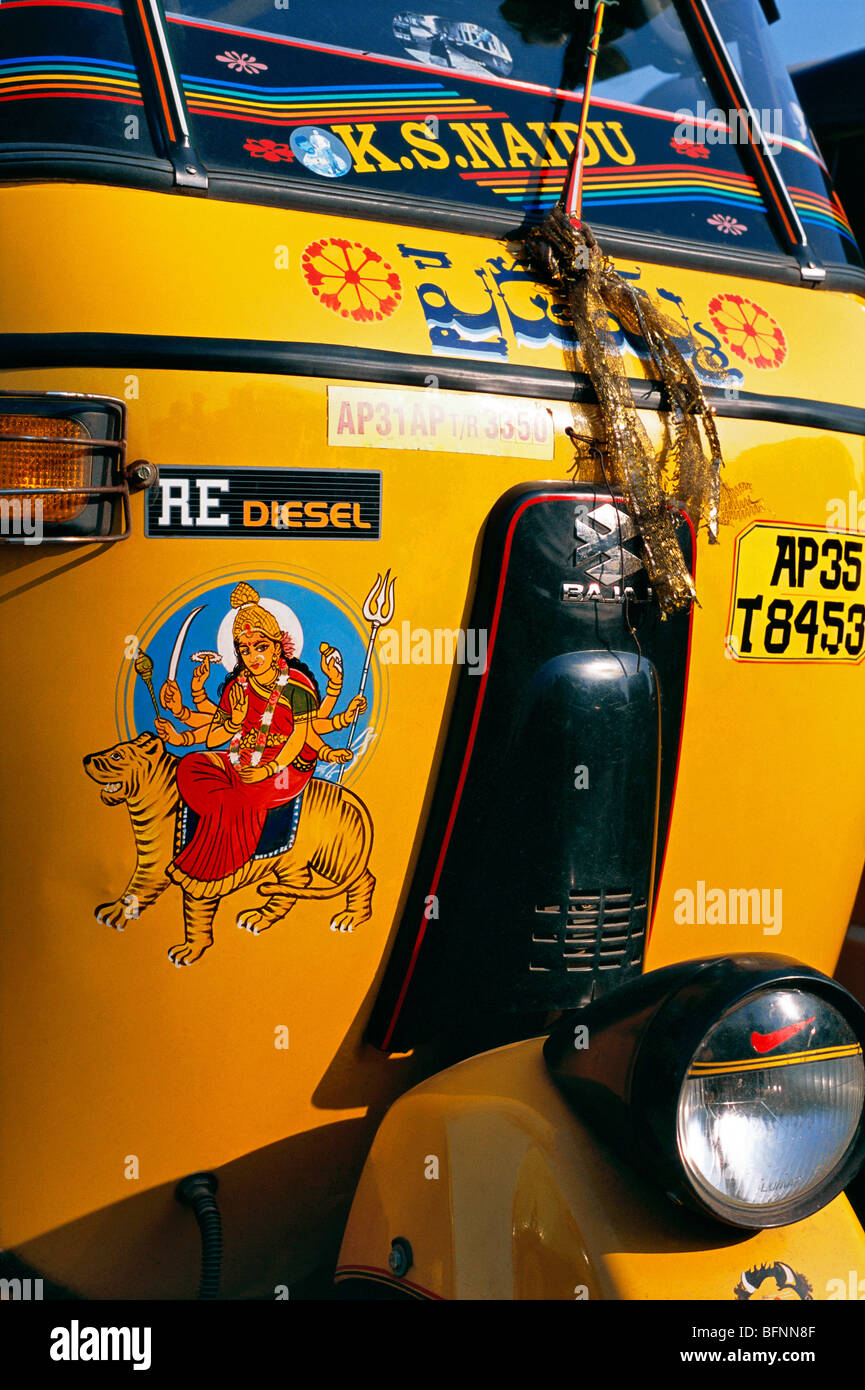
point(770, 180)
point(162, 89)
point(793, 260)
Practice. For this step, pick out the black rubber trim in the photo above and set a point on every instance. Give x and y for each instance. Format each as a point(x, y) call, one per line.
point(27, 164)
point(441, 216)
point(331, 360)
point(83, 164)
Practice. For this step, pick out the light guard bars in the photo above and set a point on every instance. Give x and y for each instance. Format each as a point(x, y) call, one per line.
point(63, 468)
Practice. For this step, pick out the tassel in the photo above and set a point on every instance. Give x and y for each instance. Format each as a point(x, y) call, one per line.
point(564, 252)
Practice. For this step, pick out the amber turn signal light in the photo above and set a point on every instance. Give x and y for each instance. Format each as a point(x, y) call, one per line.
point(63, 474)
point(45, 452)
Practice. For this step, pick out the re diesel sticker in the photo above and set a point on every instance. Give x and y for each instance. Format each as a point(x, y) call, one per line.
point(798, 595)
point(328, 504)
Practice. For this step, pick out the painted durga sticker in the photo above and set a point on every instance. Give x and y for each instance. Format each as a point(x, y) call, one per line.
point(238, 782)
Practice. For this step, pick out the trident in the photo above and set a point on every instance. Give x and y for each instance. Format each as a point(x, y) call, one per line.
point(378, 609)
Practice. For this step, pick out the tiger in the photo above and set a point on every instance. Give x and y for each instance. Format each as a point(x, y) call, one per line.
point(329, 857)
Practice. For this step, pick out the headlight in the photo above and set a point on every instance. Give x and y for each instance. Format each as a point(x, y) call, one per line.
point(770, 1105)
point(741, 1081)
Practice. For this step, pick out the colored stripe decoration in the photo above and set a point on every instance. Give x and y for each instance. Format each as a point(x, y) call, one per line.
point(45, 78)
point(536, 190)
point(790, 1059)
point(298, 106)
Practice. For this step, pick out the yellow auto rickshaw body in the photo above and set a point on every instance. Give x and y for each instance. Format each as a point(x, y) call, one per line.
point(140, 1048)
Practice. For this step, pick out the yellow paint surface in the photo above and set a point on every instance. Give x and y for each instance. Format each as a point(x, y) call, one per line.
point(114, 1054)
point(526, 1202)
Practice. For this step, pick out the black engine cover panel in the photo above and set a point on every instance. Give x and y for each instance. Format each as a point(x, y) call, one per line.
point(545, 838)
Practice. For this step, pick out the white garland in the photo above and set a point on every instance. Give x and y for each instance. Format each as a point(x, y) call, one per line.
point(266, 721)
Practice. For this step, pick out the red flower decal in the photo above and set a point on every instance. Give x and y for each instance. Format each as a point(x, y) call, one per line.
point(690, 148)
point(749, 331)
point(351, 279)
point(268, 149)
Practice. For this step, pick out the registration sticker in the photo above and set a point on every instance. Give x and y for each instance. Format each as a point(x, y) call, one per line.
point(798, 595)
point(452, 422)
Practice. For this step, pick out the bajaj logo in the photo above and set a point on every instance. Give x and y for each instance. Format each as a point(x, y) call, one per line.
point(601, 555)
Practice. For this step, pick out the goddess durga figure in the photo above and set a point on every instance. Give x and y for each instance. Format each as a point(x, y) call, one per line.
point(271, 717)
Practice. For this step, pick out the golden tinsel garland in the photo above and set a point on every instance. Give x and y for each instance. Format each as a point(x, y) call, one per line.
point(682, 476)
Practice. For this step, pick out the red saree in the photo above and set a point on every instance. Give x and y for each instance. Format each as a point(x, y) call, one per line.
point(232, 812)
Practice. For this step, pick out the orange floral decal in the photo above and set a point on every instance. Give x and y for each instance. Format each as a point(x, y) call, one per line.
point(351, 279)
point(749, 331)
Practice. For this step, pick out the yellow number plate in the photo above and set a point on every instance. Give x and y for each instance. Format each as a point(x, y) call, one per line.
point(798, 595)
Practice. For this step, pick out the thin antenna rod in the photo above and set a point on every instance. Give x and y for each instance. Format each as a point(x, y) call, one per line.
point(573, 194)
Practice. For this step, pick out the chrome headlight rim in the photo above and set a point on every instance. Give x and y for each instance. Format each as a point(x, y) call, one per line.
point(674, 1038)
point(622, 1061)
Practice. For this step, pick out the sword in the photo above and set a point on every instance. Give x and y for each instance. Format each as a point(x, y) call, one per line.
point(178, 645)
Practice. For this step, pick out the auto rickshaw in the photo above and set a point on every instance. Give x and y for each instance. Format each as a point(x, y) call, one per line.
point(429, 839)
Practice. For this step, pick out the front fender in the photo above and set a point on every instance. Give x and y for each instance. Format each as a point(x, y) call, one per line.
point(502, 1193)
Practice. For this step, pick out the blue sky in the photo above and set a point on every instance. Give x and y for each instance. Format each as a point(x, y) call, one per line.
point(810, 30)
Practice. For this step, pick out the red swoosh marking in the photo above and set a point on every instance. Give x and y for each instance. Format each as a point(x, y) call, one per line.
point(764, 1042)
